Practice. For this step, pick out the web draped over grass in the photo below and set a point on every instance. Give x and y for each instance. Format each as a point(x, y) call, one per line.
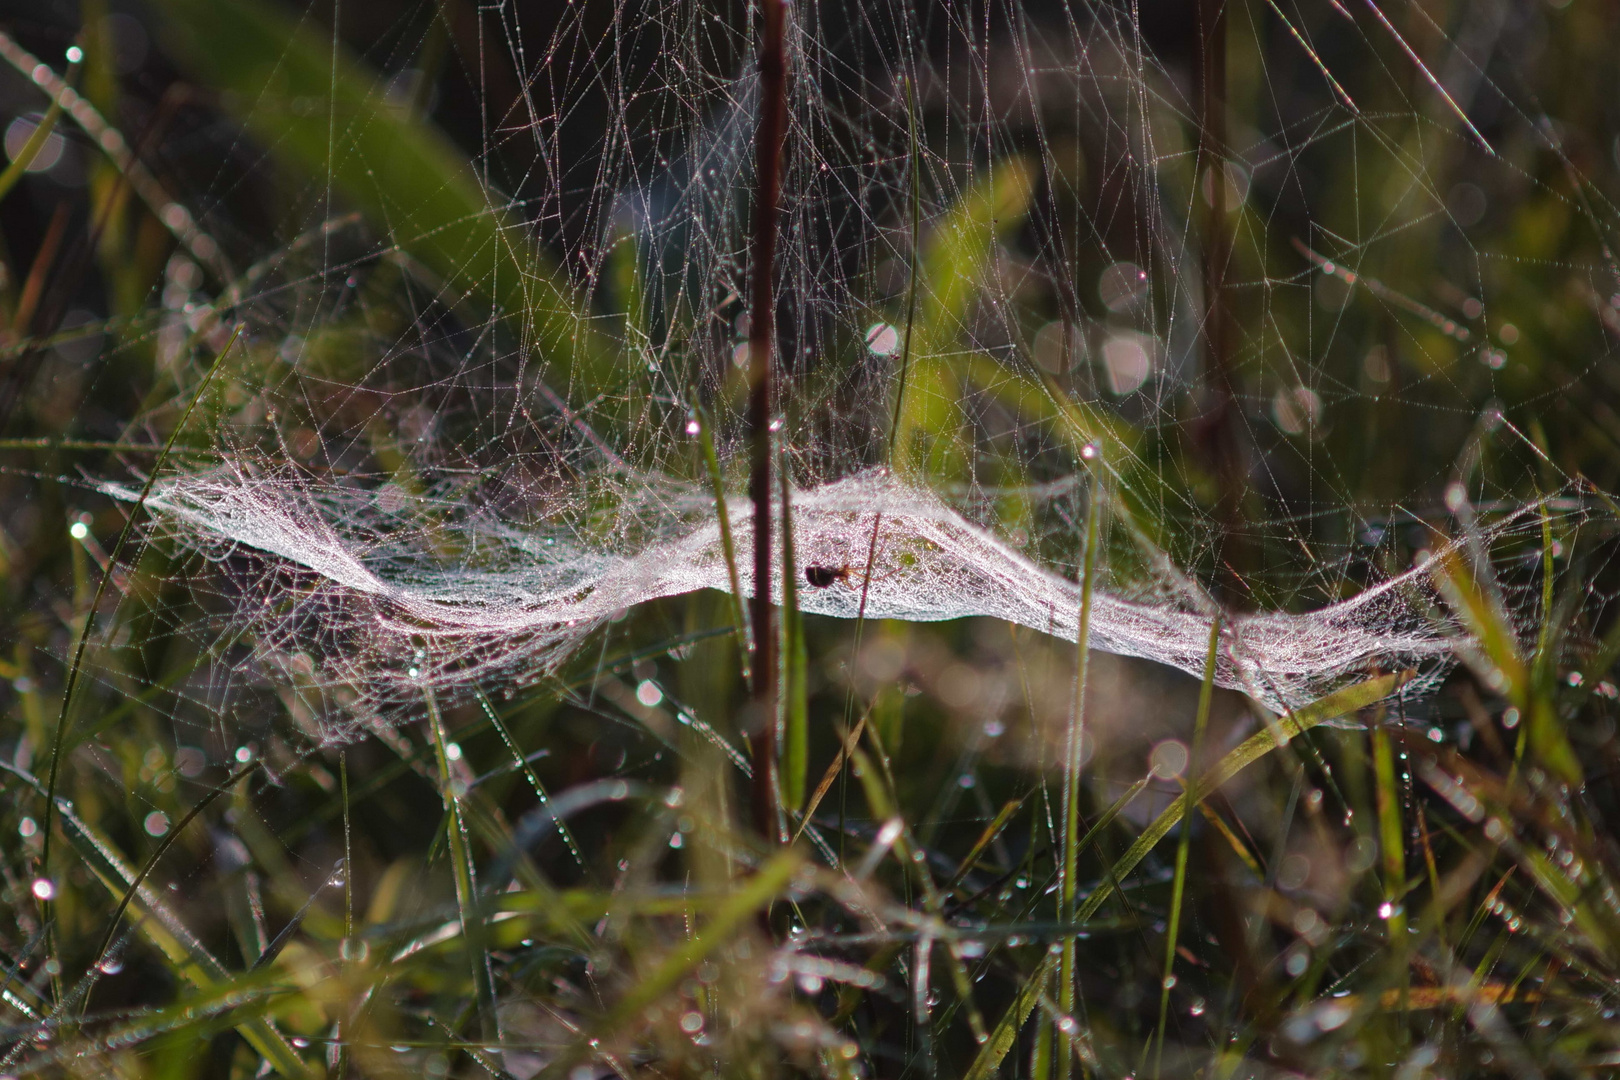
point(461, 450)
point(424, 616)
point(408, 623)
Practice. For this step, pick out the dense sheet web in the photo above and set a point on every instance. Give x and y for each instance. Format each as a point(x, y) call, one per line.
point(426, 484)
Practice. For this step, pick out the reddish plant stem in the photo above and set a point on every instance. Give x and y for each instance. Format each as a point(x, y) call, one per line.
point(1220, 430)
point(771, 134)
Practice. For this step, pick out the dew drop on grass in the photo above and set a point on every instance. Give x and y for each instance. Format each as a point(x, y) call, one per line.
point(43, 888)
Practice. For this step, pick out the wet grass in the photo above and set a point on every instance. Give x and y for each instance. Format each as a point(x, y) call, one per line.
point(705, 844)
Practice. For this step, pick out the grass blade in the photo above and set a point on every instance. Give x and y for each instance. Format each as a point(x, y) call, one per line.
point(36, 142)
point(1071, 775)
point(433, 204)
point(64, 718)
point(768, 139)
point(1339, 703)
point(1206, 694)
point(1012, 1022)
point(795, 671)
point(467, 901)
point(722, 515)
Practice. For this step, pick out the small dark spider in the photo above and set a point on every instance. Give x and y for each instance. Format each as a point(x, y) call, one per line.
point(822, 577)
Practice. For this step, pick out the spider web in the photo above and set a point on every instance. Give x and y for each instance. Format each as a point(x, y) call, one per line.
point(422, 485)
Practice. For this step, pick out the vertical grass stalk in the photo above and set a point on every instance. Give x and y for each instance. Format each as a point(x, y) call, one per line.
point(1220, 428)
point(1206, 695)
point(347, 952)
point(728, 546)
point(64, 719)
point(1394, 851)
point(769, 137)
point(1071, 780)
point(461, 867)
point(795, 665)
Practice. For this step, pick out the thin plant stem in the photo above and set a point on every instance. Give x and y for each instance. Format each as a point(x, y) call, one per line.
point(163, 847)
point(914, 149)
point(1206, 695)
point(348, 948)
point(522, 763)
point(64, 718)
point(1220, 428)
point(795, 715)
point(36, 140)
point(761, 340)
point(1071, 781)
point(728, 546)
point(1391, 843)
point(467, 901)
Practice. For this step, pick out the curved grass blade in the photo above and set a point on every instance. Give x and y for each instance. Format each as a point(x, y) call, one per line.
point(64, 717)
point(164, 929)
point(433, 204)
point(36, 142)
point(168, 841)
point(1206, 694)
point(1339, 703)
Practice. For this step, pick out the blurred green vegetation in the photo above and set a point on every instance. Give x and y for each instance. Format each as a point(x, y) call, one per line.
point(488, 261)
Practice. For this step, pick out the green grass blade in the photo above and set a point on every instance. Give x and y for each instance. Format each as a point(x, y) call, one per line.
point(522, 762)
point(795, 670)
point(30, 149)
point(1339, 703)
point(728, 547)
point(1206, 695)
point(467, 901)
point(728, 918)
point(1071, 775)
point(1391, 839)
point(64, 718)
point(433, 204)
point(1005, 1033)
